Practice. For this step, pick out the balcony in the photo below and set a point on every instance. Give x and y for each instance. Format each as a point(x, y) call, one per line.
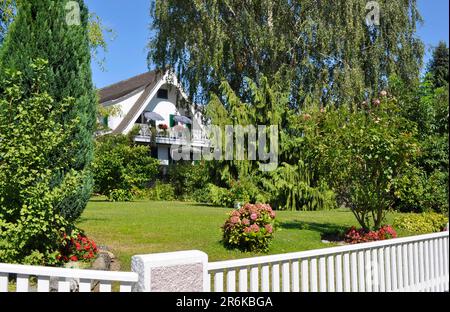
point(197, 138)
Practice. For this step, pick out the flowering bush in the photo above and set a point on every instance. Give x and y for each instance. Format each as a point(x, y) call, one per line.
point(77, 247)
point(354, 236)
point(423, 223)
point(250, 228)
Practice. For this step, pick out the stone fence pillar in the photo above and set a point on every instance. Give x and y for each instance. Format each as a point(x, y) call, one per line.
point(182, 271)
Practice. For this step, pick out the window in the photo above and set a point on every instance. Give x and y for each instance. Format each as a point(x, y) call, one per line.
point(163, 94)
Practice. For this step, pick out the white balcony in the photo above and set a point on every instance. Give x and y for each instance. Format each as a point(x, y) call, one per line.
point(197, 138)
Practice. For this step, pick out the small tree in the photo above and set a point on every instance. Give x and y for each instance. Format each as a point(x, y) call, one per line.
point(120, 167)
point(363, 154)
point(31, 130)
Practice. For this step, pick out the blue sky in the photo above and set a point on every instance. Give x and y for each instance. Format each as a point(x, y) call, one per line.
point(127, 53)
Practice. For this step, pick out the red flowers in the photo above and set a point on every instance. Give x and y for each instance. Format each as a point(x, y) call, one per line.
point(354, 236)
point(76, 247)
point(163, 127)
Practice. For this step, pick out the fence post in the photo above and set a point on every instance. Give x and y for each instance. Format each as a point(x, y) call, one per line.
point(183, 271)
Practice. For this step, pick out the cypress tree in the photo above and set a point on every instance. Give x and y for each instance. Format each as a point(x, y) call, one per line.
point(41, 30)
point(438, 66)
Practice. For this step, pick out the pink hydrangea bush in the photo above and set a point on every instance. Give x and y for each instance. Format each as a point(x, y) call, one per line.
point(354, 236)
point(250, 228)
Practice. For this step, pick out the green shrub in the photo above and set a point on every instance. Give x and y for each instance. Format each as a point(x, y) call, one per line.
point(120, 167)
point(250, 228)
point(161, 192)
point(421, 223)
point(120, 196)
point(31, 130)
point(187, 178)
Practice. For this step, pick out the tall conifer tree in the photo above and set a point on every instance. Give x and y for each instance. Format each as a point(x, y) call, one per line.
point(56, 31)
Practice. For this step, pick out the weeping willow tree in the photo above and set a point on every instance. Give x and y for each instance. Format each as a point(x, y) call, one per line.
point(327, 48)
point(292, 184)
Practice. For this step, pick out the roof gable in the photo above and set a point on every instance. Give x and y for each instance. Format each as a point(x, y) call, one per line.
point(122, 88)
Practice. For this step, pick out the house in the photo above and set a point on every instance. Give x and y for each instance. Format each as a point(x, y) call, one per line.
point(154, 106)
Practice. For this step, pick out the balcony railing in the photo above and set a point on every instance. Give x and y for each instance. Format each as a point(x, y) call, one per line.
point(173, 136)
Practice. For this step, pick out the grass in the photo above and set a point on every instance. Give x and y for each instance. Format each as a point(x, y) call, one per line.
point(145, 227)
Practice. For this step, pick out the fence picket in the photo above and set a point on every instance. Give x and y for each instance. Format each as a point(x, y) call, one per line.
point(275, 277)
point(375, 271)
point(368, 270)
point(3, 282)
point(381, 271)
point(339, 279)
point(265, 278)
point(415, 280)
point(354, 272)
point(295, 276)
point(231, 281)
point(243, 282)
point(347, 280)
point(285, 277)
point(43, 284)
point(322, 275)
point(105, 286)
point(22, 283)
point(63, 285)
point(305, 275)
point(393, 264)
point(126, 287)
point(218, 282)
point(399, 268)
point(313, 275)
point(426, 252)
point(254, 279)
point(330, 274)
point(388, 267)
point(361, 272)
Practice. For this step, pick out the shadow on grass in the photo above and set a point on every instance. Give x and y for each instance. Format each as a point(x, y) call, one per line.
point(83, 219)
point(325, 229)
point(193, 204)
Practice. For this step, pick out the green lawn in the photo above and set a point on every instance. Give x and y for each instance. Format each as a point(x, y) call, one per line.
point(145, 227)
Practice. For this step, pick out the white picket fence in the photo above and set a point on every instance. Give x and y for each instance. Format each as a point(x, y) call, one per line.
point(67, 279)
point(418, 263)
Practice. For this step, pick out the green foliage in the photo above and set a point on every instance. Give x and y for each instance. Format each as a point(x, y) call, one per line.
point(363, 154)
point(31, 130)
point(421, 223)
point(250, 228)
point(120, 195)
point(292, 189)
point(120, 167)
point(98, 32)
point(188, 179)
point(220, 196)
point(39, 30)
point(438, 66)
point(425, 187)
point(324, 47)
point(292, 186)
point(161, 192)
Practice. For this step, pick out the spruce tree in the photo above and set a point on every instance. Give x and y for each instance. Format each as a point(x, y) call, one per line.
point(40, 30)
point(438, 66)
